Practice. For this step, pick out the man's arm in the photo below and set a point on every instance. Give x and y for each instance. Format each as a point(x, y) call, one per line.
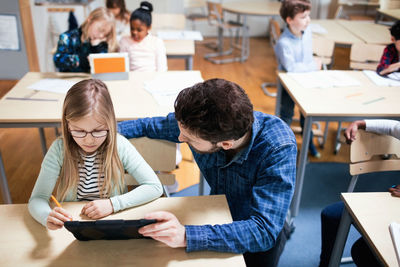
point(157, 128)
point(271, 199)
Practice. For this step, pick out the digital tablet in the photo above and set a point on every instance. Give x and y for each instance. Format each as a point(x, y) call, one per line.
point(106, 229)
point(109, 66)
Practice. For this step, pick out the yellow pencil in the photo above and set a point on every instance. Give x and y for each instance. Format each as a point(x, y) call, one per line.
point(55, 201)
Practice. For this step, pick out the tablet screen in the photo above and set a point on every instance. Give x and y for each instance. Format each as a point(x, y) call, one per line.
point(106, 229)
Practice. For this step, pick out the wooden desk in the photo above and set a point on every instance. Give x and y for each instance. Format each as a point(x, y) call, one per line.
point(369, 32)
point(371, 213)
point(334, 104)
point(250, 8)
point(365, 3)
point(181, 49)
point(175, 48)
point(336, 32)
point(25, 242)
point(393, 14)
point(130, 99)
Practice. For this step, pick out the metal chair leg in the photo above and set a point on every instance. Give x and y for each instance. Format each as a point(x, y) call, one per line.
point(264, 87)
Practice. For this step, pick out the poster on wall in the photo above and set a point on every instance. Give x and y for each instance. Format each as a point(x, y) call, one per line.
point(9, 33)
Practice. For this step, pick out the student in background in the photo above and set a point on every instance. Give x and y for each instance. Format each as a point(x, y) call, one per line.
point(246, 155)
point(331, 215)
point(146, 51)
point(89, 161)
point(390, 58)
point(121, 14)
point(96, 35)
point(294, 53)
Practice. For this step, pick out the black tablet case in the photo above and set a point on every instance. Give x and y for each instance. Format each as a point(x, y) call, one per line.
point(106, 229)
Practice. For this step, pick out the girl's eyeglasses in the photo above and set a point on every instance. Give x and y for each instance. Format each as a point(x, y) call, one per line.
point(95, 134)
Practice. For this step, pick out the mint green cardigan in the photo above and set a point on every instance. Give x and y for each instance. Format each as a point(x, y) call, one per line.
point(150, 187)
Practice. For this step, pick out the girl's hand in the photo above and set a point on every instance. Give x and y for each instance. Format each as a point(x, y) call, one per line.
point(395, 190)
point(97, 209)
point(95, 42)
point(57, 217)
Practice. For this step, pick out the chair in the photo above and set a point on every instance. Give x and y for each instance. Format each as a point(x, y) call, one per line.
point(366, 156)
point(362, 57)
point(195, 10)
point(365, 56)
point(215, 18)
point(323, 49)
point(160, 155)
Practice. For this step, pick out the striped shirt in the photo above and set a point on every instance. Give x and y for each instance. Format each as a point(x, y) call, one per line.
point(258, 183)
point(89, 180)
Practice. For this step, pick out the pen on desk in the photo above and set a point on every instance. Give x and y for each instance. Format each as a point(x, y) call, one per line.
point(30, 99)
point(355, 94)
point(373, 101)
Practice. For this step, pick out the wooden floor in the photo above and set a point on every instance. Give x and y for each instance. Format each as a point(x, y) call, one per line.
point(22, 153)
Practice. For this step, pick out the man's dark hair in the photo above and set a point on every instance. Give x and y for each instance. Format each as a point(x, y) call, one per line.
point(395, 30)
point(215, 110)
point(290, 8)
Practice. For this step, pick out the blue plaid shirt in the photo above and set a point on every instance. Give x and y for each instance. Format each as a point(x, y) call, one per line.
point(258, 183)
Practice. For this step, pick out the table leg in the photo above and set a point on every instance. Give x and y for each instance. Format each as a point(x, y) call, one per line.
point(201, 185)
point(245, 41)
point(294, 208)
point(278, 98)
point(5, 191)
point(43, 140)
point(341, 238)
point(189, 63)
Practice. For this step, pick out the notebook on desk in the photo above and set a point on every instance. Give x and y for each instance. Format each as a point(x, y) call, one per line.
point(109, 66)
point(394, 229)
point(106, 229)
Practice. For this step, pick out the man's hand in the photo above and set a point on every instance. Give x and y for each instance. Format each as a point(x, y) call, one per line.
point(98, 209)
point(167, 229)
point(352, 130)
point(56, 218)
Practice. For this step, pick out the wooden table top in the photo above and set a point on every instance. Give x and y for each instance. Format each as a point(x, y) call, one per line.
point(366, 100)
point(129, 97)
point(25, 242)
point(373, 212)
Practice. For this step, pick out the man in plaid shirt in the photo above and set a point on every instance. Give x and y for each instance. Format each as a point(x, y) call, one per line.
point(246, 155)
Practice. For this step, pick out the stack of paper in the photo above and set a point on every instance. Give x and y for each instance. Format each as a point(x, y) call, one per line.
point(324, 79)
point(60, 86)
point(180, 35)
point(382, 81)
point(317, 29)
point(166, 86)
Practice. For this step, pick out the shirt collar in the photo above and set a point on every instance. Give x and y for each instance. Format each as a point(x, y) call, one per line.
point(242, 155)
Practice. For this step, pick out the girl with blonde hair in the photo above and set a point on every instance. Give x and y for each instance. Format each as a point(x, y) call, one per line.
point(89, 161)
point(96, 35)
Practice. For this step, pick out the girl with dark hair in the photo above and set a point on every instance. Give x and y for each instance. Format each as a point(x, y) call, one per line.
point(146, 51)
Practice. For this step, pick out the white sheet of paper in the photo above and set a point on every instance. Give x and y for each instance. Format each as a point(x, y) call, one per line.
point(318, 29)
point(379, 80)
point(180, 35)
point(324, 79)
point(9, 32)
point(52, 85)
point(394, 76)
point(166, 86)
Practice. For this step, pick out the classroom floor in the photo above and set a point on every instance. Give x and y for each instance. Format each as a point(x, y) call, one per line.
point(22, 155)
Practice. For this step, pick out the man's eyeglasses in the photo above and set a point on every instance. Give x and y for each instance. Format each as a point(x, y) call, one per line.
point(95, 134)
